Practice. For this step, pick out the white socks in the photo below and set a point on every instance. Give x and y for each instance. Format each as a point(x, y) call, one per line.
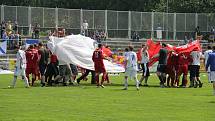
point(26, 81)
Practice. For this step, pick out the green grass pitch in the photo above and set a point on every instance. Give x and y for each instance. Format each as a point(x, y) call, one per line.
point(88, 103)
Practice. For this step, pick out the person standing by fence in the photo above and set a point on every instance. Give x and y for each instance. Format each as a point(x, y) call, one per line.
point(36, 31)
point(85, 27)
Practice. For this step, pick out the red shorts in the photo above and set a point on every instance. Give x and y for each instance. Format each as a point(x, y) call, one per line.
point(31, 71)
point(183, 69)
point(99, 68)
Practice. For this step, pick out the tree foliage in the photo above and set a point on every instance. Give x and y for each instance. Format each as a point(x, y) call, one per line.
point(181, 6)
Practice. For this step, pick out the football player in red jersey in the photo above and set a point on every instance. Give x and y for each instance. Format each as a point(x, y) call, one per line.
point(170, 69)
point(32, 60)
point(99, 65)
point(38, 70)
point(183, 62)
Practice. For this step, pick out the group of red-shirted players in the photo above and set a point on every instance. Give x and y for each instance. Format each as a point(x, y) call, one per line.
point(37, 60)
point(177, 66)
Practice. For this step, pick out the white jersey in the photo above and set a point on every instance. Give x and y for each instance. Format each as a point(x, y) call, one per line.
point(206, 54)
point(145, 57)
point(20, 59)
point(85, 26)
point(196, 55)
point(131, 59)
point(126, 54)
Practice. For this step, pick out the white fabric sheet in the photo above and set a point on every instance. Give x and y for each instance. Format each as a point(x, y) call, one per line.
point(78, 50)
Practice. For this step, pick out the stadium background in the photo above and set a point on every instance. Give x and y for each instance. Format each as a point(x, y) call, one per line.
point(118, 25)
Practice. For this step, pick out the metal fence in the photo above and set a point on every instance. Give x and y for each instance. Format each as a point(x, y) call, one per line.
point(117, 24)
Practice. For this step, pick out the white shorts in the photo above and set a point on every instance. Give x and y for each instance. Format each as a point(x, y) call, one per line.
point(19, 72)
point(211, 76)
point(131, 73)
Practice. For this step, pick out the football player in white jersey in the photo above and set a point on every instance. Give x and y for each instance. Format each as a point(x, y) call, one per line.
point(206, 54)
point(211, 64)
point(131, 67)
point(20, 67)
point(144, 64)
point(194, 69)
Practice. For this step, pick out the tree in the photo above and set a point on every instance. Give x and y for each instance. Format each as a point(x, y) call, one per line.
point(180, 6)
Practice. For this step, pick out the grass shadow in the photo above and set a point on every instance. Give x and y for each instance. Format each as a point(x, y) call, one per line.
point(212, 102)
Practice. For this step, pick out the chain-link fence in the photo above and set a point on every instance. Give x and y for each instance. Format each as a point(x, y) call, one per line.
point(116, 24)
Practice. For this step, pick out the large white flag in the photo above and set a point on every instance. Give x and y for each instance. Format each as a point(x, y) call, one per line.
point(78, 50)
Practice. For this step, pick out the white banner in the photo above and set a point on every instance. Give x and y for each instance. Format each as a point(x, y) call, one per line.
point(5, 72)
point(78, 50)
point(3, 47)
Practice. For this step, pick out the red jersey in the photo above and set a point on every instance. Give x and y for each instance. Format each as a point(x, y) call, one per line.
point(32, 58)
point(98, 56)
point(98, 61)
point(184, 60)
point(170, 60)
point(53, 58)
point(176, 59)
point(170, 66)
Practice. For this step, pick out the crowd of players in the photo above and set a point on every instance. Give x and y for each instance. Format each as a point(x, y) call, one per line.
point(171, 66)
point(176, 65)
point(32, 61)
point(40, 63)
